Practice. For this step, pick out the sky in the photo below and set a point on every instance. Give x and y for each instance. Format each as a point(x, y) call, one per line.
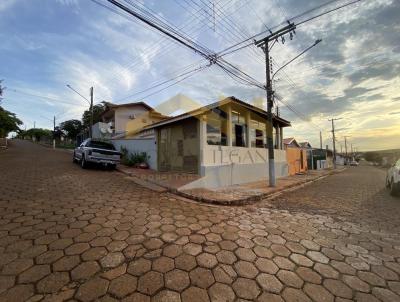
point(352, 75)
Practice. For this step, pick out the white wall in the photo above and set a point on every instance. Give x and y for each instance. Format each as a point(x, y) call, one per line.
point(122, 116)
point(147, 145)
point(225, 166)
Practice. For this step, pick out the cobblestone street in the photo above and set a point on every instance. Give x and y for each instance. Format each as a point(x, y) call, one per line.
point(68, 234)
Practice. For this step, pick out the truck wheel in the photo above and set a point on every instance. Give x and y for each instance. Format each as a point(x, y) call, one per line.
point(393, 189)
point(83, 163)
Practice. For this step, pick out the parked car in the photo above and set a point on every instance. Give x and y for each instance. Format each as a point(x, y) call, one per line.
point(354, 163)
point(97, 152)
point(393, 179)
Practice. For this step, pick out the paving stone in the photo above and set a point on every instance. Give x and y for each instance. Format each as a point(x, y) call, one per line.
point(17, 266)
point(33, 274)
point(177, 280)
point(384, 272)
point(310, 245)
point(269, 283)
point(362, 297)
point(163, 264)
point(123, 285)
point(92, 289)
point(294, 295)
point(53, 282)
point(356, 284)
point(221, 292)
point(150, 282)
point(309, 275)
point(201, 277)
point(246, 288)
point(245, 254)
point(268, 297)
point(172, 251)
point(317, 257)
point(371, 278)
point(318, 293)
point(284, 263)
point(301, 260)
point(246, 269)
point(207, 260)
point(226, 257)
point(195, 294)
point(6, 282)
point(18, 293)
point(385, 295)
point(85, 270)
point(112, 260)
point(49, 257)
point(266, 266)
point(338, 288)
point(326, 271)
point(343, 267)
point(185, 262)
point(167, 296)
point(290, 279)
point(224, 274)
point(137, 297)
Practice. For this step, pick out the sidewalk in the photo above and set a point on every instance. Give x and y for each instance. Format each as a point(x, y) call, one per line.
point(232, 195)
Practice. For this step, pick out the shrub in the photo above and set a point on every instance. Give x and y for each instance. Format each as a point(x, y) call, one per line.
point(133, 159)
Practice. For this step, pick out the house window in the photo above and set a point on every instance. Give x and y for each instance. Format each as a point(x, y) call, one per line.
point(238, 129)
point(258, 135)
point(216, 127)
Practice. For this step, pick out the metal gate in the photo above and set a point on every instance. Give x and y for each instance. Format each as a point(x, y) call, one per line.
point(178, 147)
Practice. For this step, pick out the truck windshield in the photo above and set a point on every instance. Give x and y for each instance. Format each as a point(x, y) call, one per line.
point(101, 145)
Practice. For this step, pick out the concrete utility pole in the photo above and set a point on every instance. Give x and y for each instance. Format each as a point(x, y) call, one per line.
point(264, 44)
point(91, 111)
point(54, 132)
point(320, 140)
point(334, 140)
point(89, 102)
point(345, 146)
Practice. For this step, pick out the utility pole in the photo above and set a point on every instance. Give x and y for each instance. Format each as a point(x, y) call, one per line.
point(54, 132)
point(264, 44)
point(320, 140)
point(345, 147)
point(91, 111)
point(334, 140)
point(90, 108)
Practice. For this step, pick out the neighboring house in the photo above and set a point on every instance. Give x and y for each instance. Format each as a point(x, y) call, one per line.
point(296, 156)
point(290, 142)
point(123, 124)
point(127, 120)
point(224, 142)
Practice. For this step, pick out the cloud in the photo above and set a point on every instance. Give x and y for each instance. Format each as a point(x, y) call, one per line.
point(6, 4)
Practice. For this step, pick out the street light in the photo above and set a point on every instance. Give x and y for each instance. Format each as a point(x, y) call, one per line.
point(89, 102)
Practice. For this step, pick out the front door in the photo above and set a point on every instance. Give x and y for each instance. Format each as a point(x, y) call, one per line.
point(178, 148)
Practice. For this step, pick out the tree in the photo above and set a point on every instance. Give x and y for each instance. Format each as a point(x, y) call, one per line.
point(2, 88)
point(72, 128)
point(39, 133)
point(8, 122)
point(98, 109)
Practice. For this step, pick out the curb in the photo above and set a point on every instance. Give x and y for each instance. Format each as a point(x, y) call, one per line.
point(237, 202)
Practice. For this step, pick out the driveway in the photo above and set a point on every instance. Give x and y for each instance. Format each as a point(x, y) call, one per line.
point(87, 235)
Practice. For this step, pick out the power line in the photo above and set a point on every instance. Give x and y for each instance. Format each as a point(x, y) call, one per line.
point(40, 96)
point(222, 53)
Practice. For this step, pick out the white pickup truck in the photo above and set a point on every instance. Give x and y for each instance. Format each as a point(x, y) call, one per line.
point(98, 152)
point(393, 179)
